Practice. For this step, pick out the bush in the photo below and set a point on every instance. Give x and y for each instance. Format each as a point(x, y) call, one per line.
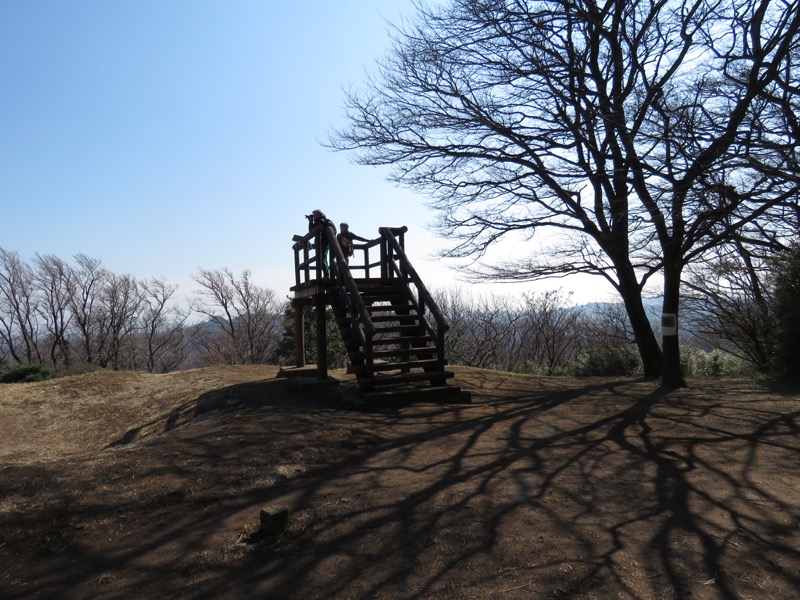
point(716, 363)
point(27, 374)
point(77, 368)
point(605, 361)
point(786, 314)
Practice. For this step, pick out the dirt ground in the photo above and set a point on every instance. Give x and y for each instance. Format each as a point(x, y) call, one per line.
point(130, 485)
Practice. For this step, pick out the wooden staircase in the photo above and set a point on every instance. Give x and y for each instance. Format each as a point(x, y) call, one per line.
point(391, 327)
point(402, 356)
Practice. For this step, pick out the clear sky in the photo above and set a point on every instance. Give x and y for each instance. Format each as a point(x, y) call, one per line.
point(164, 136)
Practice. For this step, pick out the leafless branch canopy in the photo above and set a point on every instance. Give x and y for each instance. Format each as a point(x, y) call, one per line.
point(632, 129)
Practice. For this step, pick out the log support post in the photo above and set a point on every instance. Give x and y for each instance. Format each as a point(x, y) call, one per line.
point(299, 334)
point(322, 340)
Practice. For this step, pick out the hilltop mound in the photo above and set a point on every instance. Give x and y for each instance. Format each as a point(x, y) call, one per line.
point(135, 485)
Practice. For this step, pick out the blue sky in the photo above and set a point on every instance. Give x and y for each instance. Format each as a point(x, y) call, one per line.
point(164, 136)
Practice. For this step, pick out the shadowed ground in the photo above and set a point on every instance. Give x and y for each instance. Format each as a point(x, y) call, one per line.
point(129, 485)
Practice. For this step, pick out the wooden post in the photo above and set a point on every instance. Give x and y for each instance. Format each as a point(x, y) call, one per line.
point(322, 340)
point(385, 271)
point(299, 334)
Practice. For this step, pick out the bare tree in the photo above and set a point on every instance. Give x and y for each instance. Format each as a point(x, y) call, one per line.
point(120, 305)
point(551, 330)
point(730, 298)
point(162, 327)
point(621, 127)
point(495, 333)
point(18, 309)
point(243, 319)
point(454, 307)
point(89, 278)
point(55, 286)
point(786, 290)
point(606, 326)
point(105, 310)
point(729, 290)
point(483, 330)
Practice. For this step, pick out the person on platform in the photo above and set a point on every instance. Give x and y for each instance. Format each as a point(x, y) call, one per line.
point(346, 239)
point(315, 218)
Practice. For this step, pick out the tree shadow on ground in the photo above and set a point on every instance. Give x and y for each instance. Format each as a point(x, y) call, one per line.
point(534, 490)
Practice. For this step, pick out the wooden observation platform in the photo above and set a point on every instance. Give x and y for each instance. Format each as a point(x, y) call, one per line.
point(392, 329)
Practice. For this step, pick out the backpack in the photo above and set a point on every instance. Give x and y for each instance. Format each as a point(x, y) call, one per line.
point(347, 245)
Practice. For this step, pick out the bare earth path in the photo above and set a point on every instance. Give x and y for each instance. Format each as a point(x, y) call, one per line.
point(130, 485)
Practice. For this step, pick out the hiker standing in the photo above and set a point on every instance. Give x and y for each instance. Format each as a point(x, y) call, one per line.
point(315, 218)
point(346, 239)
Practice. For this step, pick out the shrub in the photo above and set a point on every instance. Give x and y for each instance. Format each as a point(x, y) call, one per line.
point(786, 313)
point(27, 374)
point(605, 361)
point(715, 363)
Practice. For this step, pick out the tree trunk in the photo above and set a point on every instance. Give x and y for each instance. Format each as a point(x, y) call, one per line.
point(672, 377)
point(646, 341)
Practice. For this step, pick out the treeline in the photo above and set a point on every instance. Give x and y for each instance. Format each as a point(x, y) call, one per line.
point(543, 333)
point(69, 315)
point(740, 316)
point(72, 315)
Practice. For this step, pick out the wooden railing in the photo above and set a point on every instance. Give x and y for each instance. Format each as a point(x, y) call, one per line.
point(370, 259)
point(391, 263)
point(397, 265)
point(310, 268)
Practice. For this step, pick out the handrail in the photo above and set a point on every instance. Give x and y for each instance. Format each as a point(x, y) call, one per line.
point(348, 283)
point(404, 271)
point(360, 321)
point(393, 263)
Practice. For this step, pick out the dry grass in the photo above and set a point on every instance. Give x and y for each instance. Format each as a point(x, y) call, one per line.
point(126, 485)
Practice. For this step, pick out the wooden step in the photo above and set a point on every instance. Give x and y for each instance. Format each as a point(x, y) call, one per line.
point(407, 329)
point(393, 291)
point(389, 352)
point(382, 380)
point(394, 355)
point(405, 319)
point(418, 341)
point(377, 282)
point(390, 311)
point(442, 393)
point(406, 361)
point(379, 365)
point(387, 301)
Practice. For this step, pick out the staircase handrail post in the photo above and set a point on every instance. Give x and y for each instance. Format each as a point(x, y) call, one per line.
point(393, 244)
point(385, 273)
point(303, 243)
point(425, 297)
point(401, 240)
point(360, 319)
point(296, 252)
point(301, 267)
point(320, 231)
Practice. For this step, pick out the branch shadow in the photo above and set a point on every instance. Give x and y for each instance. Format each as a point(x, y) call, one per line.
point(611, 488)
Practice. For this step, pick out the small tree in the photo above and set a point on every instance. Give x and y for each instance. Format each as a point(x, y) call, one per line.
point(88, 278)
point(19, 309)
point(551, 330)
point(729, 299)
point(484, 331)
point(117, 318)
point(162, 327)
point(243, 319)
point(607, 347)
point(55, 286)
point(786, 313)
point(286, 350)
